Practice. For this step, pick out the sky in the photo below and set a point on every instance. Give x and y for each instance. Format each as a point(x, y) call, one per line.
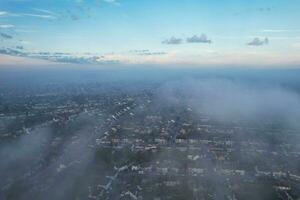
point(200, 33)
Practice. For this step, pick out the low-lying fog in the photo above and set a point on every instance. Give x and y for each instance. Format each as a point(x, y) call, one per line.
point(230, 96)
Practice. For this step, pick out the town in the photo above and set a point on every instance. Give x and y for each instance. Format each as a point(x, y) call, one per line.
point(132, 145)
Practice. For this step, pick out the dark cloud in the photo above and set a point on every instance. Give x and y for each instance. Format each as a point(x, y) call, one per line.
point(198, 39)
point(194, 39)
point(266, 9)
point(71, 58)
point(12, 52)
point(20, 47)
point(258, 42)
point(172, 40)
point(6, 36)
point(72, 15)
point(77, 60)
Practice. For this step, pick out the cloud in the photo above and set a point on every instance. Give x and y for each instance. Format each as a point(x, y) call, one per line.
point(59, 57)
point(6, 36)
point(265, 9)
point(11, 52)
point(75, 60)
point(194, 39)
point(45, 14)
point(44, 11)
point(4, 13)
point(70, 16)
point(39, 16)
point(139, 51)
point(172, 40)
point(67, 57)
point(198, 39)
point(146, 52)
point(115, 2)
point(8, 14)
point(109, 1)
point(275, 30)
point(152, 53)
point(20, 47)
point(225, 99)
point(6, 26)
point(258, 42)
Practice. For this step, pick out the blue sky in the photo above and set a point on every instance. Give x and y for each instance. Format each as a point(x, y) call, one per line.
point(165, 32)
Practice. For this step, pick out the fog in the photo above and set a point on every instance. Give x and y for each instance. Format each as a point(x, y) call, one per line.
point(60, 154)
point(49, 158)
point(229, 100)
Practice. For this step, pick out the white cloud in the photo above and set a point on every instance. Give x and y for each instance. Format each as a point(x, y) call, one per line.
point(39, 16)
point(114, 2)
point(44, 11)
point(45, 14)
point(4, 13)
point(279, 30)
point(109, 1)
point(8, 14)
point(6, 26)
